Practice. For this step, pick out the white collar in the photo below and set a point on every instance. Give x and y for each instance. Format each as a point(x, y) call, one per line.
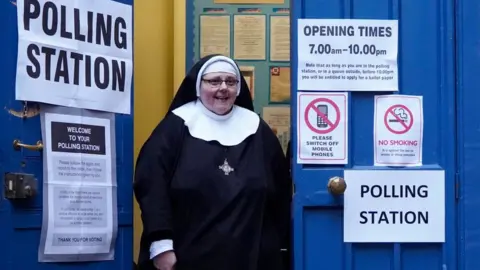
point(230, 129)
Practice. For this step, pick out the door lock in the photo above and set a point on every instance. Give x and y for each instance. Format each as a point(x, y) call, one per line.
point(17, 145)
point(337, 185)
point(19, 186)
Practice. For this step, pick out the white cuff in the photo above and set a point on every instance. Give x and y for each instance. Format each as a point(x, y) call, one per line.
point(161, 246)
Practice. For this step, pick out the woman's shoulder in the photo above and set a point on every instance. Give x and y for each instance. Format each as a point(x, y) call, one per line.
point(168, 129)
point(265, 128)
point(170, 122)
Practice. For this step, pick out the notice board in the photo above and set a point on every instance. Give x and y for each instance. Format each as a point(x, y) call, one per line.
point(256, 34)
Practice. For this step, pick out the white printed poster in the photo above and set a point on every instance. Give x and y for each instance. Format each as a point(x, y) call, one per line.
point(75, 53)
point(322, 121)
point(79, 204)
point(398, 130)
point(347, 55)
point(394, 206)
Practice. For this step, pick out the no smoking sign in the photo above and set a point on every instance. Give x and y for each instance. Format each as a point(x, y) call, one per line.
point(398, 131)
point(398, 119)
point(322, 128)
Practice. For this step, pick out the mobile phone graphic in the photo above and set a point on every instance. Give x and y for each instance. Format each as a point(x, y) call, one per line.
point(321, 123)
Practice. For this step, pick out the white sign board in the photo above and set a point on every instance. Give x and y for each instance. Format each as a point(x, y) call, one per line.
point(75, 53)
point(394, 206)
point(398, 130)
point(80, 207)
point(347, 55)
point(322, 128)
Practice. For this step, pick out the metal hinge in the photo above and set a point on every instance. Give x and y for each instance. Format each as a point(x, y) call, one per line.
point(457, 186)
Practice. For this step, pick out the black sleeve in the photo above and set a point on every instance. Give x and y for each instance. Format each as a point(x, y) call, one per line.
point(279, 164)
point(153, 173)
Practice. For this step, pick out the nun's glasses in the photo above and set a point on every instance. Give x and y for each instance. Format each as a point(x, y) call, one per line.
point(217, 82)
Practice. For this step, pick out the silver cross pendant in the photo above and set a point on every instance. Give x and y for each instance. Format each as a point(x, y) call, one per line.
point(225, 167)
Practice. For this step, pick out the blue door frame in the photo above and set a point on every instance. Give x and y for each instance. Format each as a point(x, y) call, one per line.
point(427, 68)
point(20, 223)
point(468, 134)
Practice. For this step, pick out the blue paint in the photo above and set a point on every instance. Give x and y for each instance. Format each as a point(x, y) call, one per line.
point(427, 68)
point(468, 131)
point(20, 223)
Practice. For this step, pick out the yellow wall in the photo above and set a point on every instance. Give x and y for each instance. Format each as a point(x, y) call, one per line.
point(179, 42)
point(154, 70)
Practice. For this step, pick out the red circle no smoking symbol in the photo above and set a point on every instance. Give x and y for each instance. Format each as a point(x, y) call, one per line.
point(322, 120)
point(398, 119)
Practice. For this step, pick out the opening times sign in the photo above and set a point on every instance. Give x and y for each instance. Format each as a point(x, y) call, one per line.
point(347, 55)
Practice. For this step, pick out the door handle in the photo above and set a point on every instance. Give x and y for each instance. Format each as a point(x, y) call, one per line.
point(337, 185)
point(17, 145)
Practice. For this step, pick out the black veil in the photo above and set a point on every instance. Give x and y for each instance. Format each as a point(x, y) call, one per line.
point(187, 91)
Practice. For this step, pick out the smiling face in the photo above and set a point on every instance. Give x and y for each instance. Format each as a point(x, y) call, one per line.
point(218, 91)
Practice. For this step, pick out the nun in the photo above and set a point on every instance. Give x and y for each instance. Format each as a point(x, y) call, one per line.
point(212, 181)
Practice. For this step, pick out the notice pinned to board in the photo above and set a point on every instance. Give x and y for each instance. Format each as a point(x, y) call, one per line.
point(394, 206)
point(75, 53)
point(398, 130)
point(322, 128)
point(248, 73)
point(347, 55)
point(249, 37)
point(80, 208)
point(280, 38)
point(278, 118)
point(214, 35)
point(280, 84)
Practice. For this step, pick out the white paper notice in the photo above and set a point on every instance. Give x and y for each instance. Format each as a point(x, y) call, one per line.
point(347, 55)
point(79, 209)
point(322, 128)
point(75, 53)
point(398, 130)
point(394, 206)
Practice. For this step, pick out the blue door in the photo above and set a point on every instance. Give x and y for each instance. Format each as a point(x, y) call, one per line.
point(426, 68)
point(20, 221)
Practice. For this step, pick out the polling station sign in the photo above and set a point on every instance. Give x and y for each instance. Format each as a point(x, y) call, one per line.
point(394, 206)
point(75, 53)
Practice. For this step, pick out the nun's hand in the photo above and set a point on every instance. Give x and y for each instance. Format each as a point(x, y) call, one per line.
point(165, 261)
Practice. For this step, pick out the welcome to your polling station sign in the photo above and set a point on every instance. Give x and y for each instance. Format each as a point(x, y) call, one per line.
point(80, 219)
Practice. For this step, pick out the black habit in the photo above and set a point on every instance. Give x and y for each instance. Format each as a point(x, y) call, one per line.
point(216, 221)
